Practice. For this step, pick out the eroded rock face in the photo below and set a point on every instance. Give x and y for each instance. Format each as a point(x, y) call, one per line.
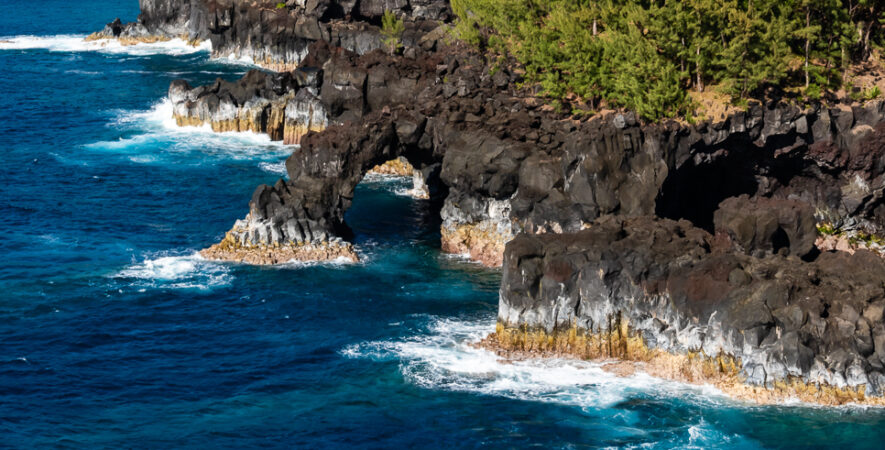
point(692, 249)
point(809, 329)
point(760, 225)
point(284, 106)
point(159, 20)
point(276, 38)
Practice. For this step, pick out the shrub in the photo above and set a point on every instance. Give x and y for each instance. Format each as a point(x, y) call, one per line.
point(392, 28)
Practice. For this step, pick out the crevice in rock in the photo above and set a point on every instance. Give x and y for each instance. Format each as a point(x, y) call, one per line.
point(780, 240)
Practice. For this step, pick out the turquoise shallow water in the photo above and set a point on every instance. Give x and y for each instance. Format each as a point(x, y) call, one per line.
point(113, 334)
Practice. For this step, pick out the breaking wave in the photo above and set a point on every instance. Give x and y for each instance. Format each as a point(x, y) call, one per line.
point(155, 131)
point(444, 358)
point(77, 43)
point(177, 272)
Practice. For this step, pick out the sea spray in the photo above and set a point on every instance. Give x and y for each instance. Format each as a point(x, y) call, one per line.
point(77, 43)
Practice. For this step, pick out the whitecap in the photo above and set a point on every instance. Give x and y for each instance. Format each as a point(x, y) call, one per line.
point(178, 272)
point(82, 72)
point(241, 61)
point(77, 43)
point(384, 178)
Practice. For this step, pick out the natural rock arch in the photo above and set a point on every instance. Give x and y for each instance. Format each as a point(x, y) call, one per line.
point(303, 218)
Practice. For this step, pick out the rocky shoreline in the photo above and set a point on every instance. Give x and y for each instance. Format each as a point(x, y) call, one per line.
point(692, 307)
point(705, 252)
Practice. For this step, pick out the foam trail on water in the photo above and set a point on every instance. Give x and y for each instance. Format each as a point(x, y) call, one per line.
point(177, 271)
point(76, 43)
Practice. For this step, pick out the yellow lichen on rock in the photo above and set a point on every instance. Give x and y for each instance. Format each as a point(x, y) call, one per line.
point(482, 242)
point(276, 65)
point(292, 134)
point(627, 353)
point(230, 250)
point(127, 40)
point(221, 126)
point(396, 167)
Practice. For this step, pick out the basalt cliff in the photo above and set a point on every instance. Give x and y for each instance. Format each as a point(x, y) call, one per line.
point(740, 251)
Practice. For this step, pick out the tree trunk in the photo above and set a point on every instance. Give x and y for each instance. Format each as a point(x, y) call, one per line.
point(594, 27)
point(865, 46)
point(807, 45)
point(682, 58)
point(700, 78)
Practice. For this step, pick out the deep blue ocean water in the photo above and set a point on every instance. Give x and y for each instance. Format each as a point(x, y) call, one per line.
point(114, 334)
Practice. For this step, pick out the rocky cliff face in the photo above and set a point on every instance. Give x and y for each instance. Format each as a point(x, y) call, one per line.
point(284, 106)
point(694, 250)
point(692, 306)
point(274, 36)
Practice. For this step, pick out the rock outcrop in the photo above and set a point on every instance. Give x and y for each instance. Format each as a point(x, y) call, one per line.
point(275, 35)
point(284, 106)
point(692, 306)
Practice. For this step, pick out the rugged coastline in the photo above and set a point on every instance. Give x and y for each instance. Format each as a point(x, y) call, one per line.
point(695, 250)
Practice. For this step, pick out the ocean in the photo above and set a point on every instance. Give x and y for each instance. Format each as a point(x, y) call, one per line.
point(115, 333)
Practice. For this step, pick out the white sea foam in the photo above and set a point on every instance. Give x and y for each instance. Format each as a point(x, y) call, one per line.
point(177, 271)
point(276, 168)
point(443, 358)
point(76, 43)
point(397, 184)
point(157, 126)
point(383, 178)
point(335, 263)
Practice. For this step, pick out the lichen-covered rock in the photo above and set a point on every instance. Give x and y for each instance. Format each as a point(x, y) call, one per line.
point(399, 167)
point(259, 242)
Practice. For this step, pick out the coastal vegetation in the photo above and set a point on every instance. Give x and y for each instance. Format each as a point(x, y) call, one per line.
point(649, 55)
point(392, 29)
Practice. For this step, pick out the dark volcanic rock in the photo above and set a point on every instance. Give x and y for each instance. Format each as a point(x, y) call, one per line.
point(285, 106)
point(625, 239)
point(762, 226)
point(780, 318)
point(278, 38)
point(510, 167)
